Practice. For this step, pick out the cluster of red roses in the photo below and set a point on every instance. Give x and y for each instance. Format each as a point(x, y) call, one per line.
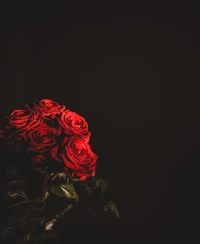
point(49, 128)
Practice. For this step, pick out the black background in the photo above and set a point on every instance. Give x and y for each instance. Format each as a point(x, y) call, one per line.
point(132, 71)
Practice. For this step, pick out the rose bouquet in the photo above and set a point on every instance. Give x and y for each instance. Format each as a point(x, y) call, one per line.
point(60, 169)
point(49, 130)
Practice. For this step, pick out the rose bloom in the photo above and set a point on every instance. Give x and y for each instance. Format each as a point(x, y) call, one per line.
point(41, 138)
point(72, 123)
point(47, 107)
point(23, 121)
point(79, 159)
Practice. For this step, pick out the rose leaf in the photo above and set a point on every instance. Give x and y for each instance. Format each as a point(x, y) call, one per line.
point(112, 208)
point(65, 190)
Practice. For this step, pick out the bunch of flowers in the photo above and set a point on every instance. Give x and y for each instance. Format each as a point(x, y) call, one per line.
point(51, 131)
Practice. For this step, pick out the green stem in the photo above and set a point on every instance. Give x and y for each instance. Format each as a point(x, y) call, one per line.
point(19, 203)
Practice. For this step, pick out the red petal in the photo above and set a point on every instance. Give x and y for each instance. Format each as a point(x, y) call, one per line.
point(54, 153)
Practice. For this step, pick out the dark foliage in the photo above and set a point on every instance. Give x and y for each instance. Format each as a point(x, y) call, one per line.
point(37, 208)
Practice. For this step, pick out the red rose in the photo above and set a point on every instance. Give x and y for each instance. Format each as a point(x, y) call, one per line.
point(38, 158)
point(79, 159)
point(86, 137)
point(41, 138)
point(23, 121)
point(47, 107)
point(72, 123)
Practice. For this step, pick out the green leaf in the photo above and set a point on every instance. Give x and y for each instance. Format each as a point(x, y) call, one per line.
point(61, 178)
point(112, 208)
point(14, 190)
point(65, 190)
point(99, 183)
point(93, 184)
point(21, 219)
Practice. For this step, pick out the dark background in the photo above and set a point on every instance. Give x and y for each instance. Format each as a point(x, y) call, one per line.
point(132, 72)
